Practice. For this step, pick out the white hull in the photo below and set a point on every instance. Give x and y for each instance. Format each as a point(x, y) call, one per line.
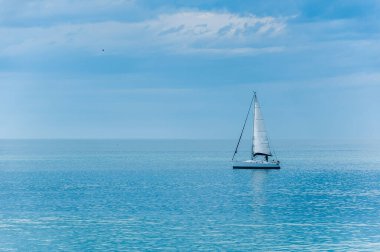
point(253, 164)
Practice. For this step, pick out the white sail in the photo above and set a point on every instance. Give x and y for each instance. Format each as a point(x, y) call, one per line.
point(260, 139)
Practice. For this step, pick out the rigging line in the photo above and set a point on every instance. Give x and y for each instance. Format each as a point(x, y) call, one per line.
point(270, 144)
point(245, 122)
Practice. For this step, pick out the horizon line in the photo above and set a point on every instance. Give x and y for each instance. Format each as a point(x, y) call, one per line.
point(137, 138)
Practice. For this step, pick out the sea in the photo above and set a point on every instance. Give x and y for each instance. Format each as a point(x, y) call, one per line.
point(183, 195)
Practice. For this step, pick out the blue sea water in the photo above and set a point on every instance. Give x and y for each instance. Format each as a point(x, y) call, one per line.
point(109, 195)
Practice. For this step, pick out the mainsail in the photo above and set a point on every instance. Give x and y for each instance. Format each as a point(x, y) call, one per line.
point(260, 140)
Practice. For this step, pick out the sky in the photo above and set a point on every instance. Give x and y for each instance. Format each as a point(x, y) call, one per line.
point(187, 69)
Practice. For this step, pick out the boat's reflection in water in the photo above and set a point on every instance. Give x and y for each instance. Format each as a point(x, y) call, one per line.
point(261, 220)
point(259, 180)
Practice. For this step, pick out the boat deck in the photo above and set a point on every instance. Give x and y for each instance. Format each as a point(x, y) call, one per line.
point(251, 164)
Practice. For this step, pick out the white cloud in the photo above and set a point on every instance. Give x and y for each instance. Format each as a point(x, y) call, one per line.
point(198, 25)
point(182, 32)
point(214, 32)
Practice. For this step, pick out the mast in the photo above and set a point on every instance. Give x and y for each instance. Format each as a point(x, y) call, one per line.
point(253, 126)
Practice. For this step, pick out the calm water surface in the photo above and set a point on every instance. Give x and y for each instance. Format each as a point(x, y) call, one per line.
point(86, 195)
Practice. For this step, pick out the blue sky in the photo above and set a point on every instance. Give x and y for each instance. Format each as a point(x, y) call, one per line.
point(186, 69)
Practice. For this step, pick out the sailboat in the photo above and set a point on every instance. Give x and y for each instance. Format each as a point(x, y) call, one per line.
point(261, 154)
